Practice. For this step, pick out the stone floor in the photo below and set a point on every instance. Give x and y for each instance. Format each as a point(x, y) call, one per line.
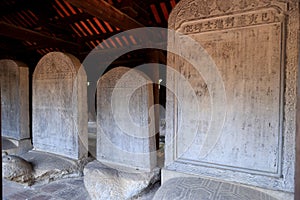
point(178, 188)
point(71, 188)
point(191, 188)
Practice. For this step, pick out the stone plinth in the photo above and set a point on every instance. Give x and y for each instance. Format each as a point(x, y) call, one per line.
point(59, 100)
point(16, 147)
point(49, 167)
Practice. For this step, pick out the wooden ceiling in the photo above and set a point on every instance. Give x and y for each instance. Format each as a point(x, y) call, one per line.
point(30, 29)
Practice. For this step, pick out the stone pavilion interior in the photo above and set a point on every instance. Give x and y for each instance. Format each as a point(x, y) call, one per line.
point(152, 99)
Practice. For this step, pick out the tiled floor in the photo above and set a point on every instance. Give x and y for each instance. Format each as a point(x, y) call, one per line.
point(64, 189)
point(72, 188)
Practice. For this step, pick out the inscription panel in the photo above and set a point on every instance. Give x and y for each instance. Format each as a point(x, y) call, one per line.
point(54, 111)
point(231, 21)
point(249, 61)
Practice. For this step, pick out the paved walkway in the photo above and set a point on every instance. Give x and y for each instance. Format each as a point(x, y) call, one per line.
point(72, 188)
point(64, 189)
point(191, 188)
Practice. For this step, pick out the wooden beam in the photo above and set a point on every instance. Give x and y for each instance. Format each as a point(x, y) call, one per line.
point(115, 51)
point(135, 10)
point(19, 33)
point(16, 7)
point(73, 18)
point(104, 11)
point(99, 37)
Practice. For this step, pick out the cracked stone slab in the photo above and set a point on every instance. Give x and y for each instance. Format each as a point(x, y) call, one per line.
point(103, 182)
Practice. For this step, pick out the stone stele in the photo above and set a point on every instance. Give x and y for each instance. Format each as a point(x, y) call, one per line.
point(125, 120)
point(14, 86)
point(59, 110)
point(237, 122)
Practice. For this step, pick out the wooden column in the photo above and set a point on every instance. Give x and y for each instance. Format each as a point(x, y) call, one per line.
point(154, 58)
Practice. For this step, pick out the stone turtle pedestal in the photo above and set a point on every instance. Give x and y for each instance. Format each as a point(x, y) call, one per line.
point(103, 182)
point(49, 167)
point(16, 169)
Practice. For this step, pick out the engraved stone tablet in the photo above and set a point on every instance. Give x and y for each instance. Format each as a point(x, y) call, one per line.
point(125, 120)
point(14, 99)
point(60, 106)
point(241, 137)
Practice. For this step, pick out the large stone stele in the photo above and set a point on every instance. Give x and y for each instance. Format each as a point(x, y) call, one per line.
point(14, 85)
point(125, 119)
point(233, 116)
point(59, 105)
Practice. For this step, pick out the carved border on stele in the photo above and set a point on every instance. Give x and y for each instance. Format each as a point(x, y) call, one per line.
point(47, 69)
point(199, 9)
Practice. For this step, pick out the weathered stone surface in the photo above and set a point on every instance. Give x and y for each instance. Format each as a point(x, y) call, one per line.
point(92, 127)
point(241, 108)
point(14, 99)
point(125, 121)
point(149, 193)
point(197, 188)
point(16, 169)
point(71, 188)
point(16, 147)
point(49, 167)
point(103, 182)
point(168, 174)
point(60, 106)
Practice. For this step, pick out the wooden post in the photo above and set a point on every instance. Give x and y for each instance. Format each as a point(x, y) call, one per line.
point(154, 58)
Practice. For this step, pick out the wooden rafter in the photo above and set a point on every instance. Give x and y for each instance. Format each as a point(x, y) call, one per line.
point(104, 11)
point(19, 33)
